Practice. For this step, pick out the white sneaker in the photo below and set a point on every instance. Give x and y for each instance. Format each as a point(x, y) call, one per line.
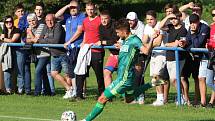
point(141, 99)
point(158, 103)
point(83, 120)
point(68, 94)
point(74, 93)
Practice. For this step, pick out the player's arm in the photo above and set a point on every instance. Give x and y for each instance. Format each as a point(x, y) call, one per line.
point(146, 48)
point(84, 40)
point(60, 13)
point(173, 44)
point(13, 39)
point(30, 36)
point(157, 39)
point(145, 38)
point(162, 24)
point(183, 9)
point(75, 36)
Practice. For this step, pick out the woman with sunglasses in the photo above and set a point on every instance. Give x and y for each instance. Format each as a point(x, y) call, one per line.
point(11, 34)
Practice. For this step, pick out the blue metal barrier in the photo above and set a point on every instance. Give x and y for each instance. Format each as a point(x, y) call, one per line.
point(176, 49)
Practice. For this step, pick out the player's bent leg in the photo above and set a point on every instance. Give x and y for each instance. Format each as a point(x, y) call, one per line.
point(98, 108)
point(107, 77)
point(142, 88)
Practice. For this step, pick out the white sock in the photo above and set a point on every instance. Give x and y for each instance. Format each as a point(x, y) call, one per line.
point(74, 83)
point(160, 97)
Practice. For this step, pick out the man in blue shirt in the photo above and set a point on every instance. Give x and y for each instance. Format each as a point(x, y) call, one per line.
point(74, 34)
point(196, 38)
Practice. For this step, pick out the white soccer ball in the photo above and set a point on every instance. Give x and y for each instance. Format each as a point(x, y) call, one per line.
point(68, 116)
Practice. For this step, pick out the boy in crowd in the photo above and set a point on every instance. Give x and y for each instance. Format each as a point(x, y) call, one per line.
point(176, 33)
point(108, 37)
point(91, 36)
point(158, 57)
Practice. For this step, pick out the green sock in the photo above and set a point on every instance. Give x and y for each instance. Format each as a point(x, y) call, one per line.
point(142, 89)
point(95, 112)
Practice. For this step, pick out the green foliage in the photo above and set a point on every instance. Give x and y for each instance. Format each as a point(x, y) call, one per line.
point(8, 6)
point(118, 8)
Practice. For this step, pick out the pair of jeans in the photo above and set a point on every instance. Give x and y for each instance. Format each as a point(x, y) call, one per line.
point(43, 68)
point(50, 78)
point(8, 79)
point(59, 63)
point(18, 61)
point(210, 79)
point(48, 86)
point(27, 71)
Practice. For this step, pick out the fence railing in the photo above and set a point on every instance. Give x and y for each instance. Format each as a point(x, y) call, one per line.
point(176, 49)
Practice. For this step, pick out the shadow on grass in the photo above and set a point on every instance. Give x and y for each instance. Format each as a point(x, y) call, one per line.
point(92, 92)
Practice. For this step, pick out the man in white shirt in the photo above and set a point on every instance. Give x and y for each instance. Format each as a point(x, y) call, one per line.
point(158, 57)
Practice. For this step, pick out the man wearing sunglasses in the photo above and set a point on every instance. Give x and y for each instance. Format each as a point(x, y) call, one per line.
point(74, 34)
point(176, 34)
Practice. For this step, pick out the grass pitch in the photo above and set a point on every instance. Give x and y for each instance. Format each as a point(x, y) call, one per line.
point(46, 108)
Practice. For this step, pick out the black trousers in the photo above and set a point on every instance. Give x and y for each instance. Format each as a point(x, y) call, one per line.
point(97, 59)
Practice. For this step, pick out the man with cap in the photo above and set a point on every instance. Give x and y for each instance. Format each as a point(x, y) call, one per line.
point(196, 38)
point(137, 28)
point(196, 9)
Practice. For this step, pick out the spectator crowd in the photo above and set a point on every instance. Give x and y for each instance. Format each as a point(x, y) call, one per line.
point(92, 27)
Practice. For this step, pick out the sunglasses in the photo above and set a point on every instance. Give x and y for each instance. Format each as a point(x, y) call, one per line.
point(173, 18)
point(196, 9)
point(6, 22)
point(213, 15)
point(73, 7)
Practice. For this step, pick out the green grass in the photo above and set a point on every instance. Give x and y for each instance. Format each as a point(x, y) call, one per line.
point(52, 107)
point(45, 107)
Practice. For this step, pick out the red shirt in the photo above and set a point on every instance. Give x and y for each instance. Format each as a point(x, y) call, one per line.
point(91, 29)
point(211, 42)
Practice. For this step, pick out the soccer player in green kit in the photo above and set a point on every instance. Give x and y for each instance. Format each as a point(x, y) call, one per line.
point(128, 55)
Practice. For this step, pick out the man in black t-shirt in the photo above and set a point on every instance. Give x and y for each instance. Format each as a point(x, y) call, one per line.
point(177, 34)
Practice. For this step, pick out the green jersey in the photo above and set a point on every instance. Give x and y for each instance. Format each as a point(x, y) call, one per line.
point(128, 56)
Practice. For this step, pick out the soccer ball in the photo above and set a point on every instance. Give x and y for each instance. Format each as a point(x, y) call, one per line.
point(68, 116)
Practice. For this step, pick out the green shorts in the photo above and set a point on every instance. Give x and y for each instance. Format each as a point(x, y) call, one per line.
point(118, 88)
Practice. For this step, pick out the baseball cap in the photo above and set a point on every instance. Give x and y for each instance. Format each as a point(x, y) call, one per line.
point(131, 16)
point(193, 18)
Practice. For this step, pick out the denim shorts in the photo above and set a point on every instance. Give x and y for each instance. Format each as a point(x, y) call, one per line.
point(59, 63)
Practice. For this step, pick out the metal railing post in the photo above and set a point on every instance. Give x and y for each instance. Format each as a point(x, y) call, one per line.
point(178, 80)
